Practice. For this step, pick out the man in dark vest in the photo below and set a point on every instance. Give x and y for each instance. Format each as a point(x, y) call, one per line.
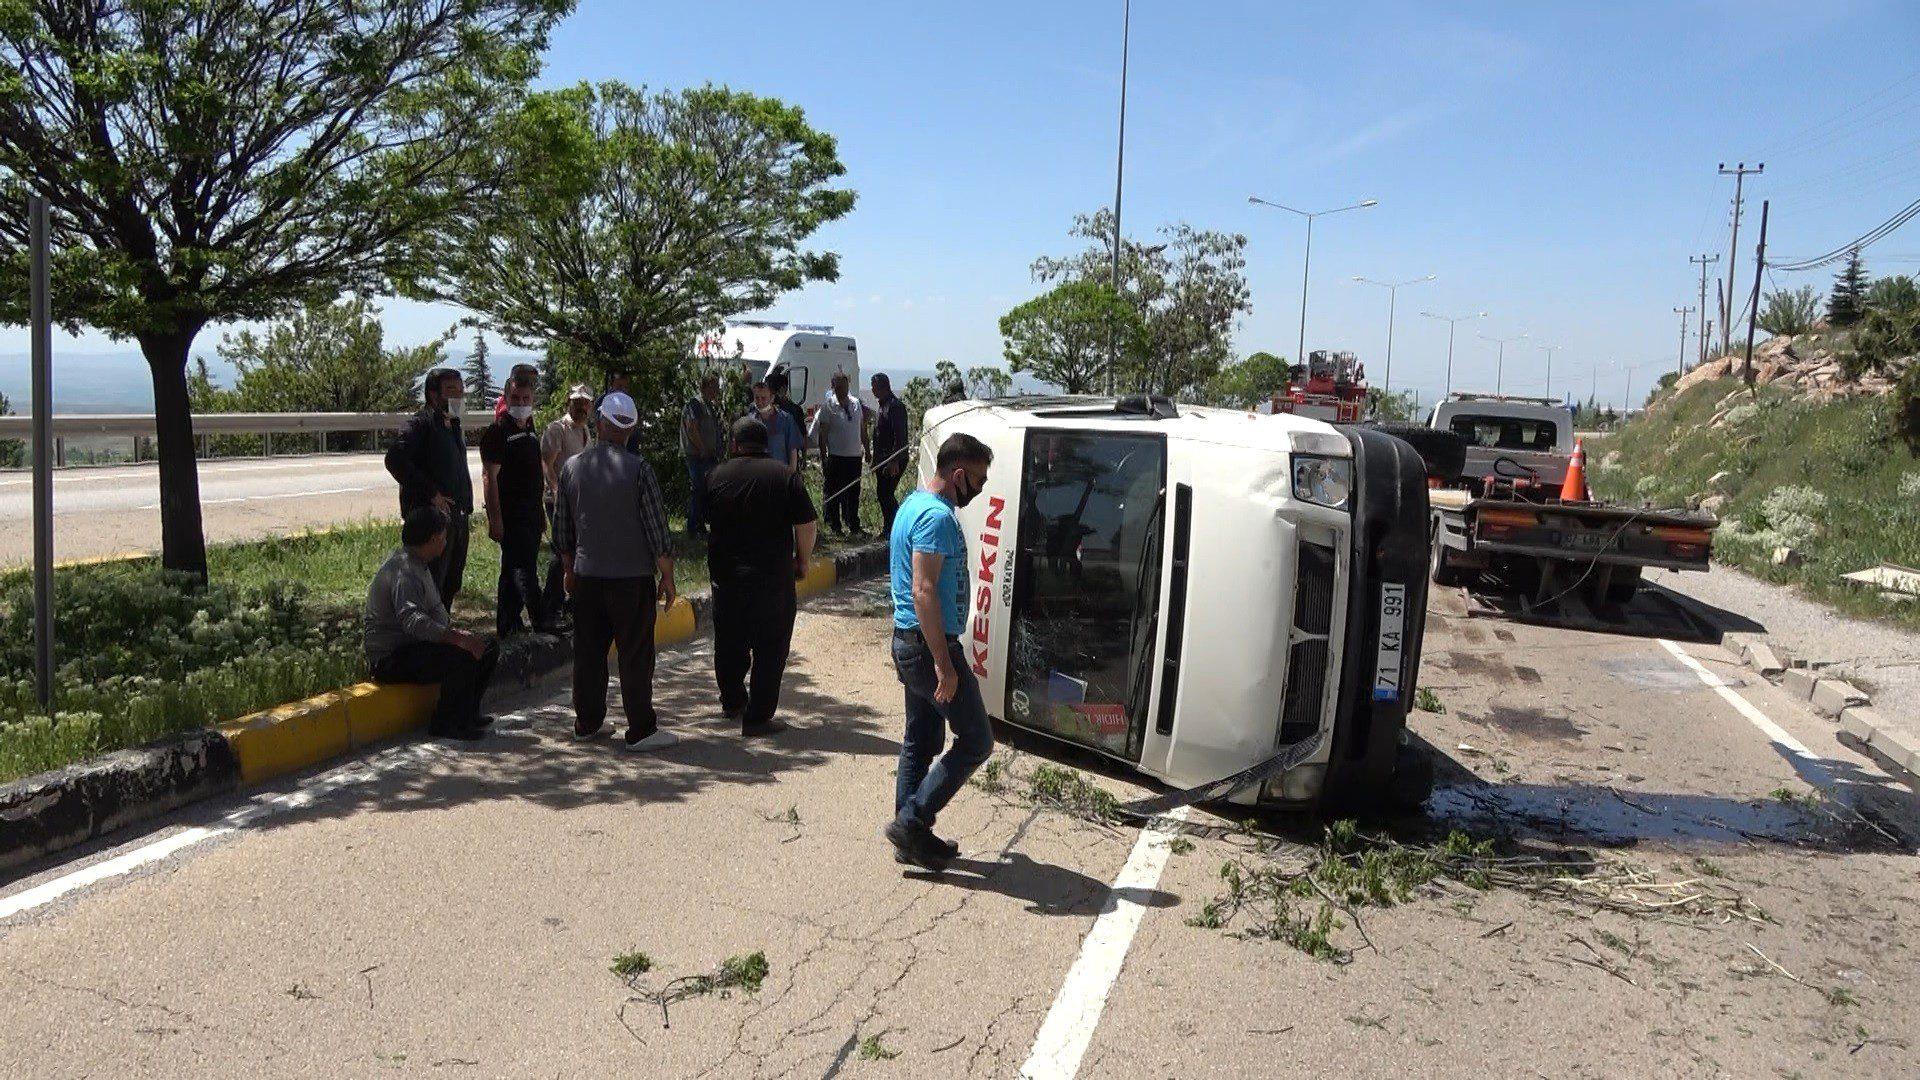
point(429, 460)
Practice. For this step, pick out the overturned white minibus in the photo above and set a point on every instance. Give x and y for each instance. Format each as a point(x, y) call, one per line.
point(1200, 593)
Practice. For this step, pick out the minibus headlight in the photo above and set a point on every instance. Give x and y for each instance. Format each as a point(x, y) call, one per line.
point(1323, 481)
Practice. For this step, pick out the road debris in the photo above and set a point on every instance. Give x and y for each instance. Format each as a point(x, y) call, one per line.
point(1272, 892)
point(744, 973)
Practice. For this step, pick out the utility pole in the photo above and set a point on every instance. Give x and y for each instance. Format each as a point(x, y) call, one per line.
point(1627, 406)
point(1681, 368)
point(1704, 261)
point(1739, 173)
point(1759, 268)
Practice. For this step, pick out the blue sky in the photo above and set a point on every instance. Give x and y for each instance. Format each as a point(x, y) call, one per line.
point(1552, 164)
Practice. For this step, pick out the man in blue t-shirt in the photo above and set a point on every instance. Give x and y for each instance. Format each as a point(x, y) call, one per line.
point(929, 562)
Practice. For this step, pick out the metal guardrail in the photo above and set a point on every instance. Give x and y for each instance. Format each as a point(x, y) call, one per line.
point(140, 426)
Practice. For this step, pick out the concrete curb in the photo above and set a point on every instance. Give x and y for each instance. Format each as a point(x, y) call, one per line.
point(1885, 740)
point(43, 814)
point(55, 810)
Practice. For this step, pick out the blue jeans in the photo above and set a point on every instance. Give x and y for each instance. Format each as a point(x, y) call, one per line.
point(697, 471)
point(925, 786)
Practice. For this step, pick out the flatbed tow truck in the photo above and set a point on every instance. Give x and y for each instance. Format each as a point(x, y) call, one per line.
point(1505, 514)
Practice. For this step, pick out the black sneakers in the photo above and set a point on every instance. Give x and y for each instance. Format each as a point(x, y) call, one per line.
point(917, 846)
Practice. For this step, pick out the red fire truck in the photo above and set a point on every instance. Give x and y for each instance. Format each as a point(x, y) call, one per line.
point(1330, 386)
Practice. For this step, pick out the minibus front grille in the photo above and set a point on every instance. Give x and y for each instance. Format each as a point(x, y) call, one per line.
point(1307, 659)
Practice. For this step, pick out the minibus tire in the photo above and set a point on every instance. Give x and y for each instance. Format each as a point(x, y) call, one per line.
point(1444, 453)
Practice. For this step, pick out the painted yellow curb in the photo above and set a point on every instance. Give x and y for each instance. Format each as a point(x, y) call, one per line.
point(376, 712)
point(821, 576)
point(289, 737)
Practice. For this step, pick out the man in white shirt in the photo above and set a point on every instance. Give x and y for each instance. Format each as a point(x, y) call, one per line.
point(839, 429)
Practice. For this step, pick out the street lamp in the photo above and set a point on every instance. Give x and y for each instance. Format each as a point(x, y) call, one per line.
point(1500, 369)
point(1451, 321)
point(1393, 295)
point(1306, 263)
point(1549, 349)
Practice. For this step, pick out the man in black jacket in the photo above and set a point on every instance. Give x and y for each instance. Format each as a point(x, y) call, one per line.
point(429, 461)
point(763, 529)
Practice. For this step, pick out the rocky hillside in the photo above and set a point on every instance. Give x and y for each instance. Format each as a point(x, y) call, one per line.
point(1807, 365)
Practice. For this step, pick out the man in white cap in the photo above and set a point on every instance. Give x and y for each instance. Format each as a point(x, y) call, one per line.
point(610, 529)
point(564, 437)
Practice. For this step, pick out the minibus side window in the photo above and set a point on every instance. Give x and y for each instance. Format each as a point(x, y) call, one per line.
point(1088, 571)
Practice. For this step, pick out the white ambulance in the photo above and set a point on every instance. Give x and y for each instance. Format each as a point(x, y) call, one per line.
point(809, 354)
point(1200, 593)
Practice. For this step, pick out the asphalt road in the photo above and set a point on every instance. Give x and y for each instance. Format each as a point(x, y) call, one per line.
point(437, 911)
point(115, 510)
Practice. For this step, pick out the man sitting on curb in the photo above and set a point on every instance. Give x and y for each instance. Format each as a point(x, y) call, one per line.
point(409, 638)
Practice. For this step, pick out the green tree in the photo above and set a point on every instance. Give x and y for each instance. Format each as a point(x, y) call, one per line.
point(217, 160)
point(13, 453)
point(918, 396)
point(1896, 293)
point(1064, 335)
point(1189, 291)
point(1394, 406)
point(327, 358)
point(632, 220)
point(1790, 311)
point(1248, 383)
point(987, 381)
point(479, 377)
point(1848, 301)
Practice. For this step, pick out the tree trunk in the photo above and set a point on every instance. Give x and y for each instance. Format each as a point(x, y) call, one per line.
point(183, 543)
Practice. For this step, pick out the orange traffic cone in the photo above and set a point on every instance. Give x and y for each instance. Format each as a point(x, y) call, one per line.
point(1574, 488)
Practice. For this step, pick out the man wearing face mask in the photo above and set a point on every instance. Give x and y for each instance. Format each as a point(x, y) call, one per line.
point(928, 556)
point(516, 518)
point(429, 461)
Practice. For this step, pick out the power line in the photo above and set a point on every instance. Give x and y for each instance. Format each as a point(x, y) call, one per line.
point(1828, 128)
point(1865, 240)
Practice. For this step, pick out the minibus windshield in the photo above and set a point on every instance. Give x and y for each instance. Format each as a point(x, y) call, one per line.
point(1088, 586)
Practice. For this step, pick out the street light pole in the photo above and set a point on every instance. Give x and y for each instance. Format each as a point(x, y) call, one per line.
point(1393, 295)
point(1451, 321)
point(1500, 368)
point(1306, 263)
point(1549, 349)
point(1119, 178)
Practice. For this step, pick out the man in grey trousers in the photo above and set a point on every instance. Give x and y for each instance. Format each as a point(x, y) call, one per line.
point(610, 530)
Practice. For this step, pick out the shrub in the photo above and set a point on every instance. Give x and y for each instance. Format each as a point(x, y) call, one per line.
point(1788, 517)
point(1904, 418)
point(141, 657)
point(1910, 486)
point(1790, 312)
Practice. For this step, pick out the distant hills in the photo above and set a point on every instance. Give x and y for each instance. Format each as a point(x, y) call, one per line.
point(109, 382)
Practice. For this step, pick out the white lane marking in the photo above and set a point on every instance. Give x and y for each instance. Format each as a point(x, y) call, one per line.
point(262, 498)
point(1070, 1023)
point(260, 807)
point(1812, 768)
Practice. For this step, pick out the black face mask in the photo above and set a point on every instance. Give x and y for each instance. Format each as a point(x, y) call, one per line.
point(964, 483)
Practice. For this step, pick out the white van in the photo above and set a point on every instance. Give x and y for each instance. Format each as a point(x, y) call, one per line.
point(1193, 591)
point(809, 354)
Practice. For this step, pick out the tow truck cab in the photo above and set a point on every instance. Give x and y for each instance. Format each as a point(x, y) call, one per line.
point(1188, 590)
